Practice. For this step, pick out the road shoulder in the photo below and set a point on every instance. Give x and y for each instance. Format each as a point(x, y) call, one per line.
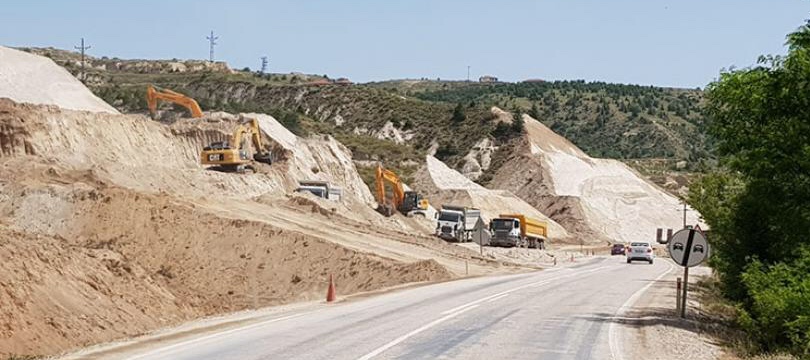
point(651, 328)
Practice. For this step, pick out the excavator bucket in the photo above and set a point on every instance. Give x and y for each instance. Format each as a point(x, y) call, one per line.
point(265, 158)
point(385, 209)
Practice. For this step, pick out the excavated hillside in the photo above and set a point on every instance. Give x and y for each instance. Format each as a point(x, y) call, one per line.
point(443, 185)
point(117, 211)
point(595, 199)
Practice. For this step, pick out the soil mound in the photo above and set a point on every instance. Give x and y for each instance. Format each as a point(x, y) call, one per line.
point(29, 78)
point(596, 199)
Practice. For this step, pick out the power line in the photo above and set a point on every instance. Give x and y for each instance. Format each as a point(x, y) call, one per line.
point(264, 65)
point(82, 48)
point(212, 40)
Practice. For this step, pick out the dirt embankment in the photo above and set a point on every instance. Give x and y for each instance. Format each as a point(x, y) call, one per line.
point(124, 262)
point(443, 185)
point(523, 175)
point(596, 199)
point(109, 227)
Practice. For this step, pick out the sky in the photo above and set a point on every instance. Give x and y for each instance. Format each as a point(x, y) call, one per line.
point(677, 43)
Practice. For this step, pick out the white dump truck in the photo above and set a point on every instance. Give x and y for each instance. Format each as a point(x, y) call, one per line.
point(321, 189)
point(456, 223)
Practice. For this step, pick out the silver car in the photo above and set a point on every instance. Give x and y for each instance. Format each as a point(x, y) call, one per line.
point(640, 251)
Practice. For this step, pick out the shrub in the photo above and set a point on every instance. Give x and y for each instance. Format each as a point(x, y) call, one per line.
point(778, 317)
point(458, 114)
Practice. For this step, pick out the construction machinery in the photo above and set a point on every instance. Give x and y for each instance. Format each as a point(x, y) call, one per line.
point(518, 230)
point(321, 189)
point(153, 94)
point(456, 223)
point(233, 155)
point(406, 201)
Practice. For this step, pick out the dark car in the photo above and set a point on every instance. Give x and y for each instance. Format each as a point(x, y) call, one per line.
point(617, 249)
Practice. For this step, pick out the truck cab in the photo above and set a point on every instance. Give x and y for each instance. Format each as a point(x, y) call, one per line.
point(456, 223)
point(505, 232)
point(450, 225)
point(518, 230)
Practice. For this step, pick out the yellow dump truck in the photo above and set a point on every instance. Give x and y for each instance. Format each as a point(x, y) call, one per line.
point(518, 230)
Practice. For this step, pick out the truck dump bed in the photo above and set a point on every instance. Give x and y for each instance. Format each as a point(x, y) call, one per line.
point(471, 215)
point(530, 227)
point(471, 218)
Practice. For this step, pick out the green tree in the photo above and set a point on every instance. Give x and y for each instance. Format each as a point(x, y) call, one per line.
point(535, 112)
point(458, 114)
point(517, 122)
point(759, 208)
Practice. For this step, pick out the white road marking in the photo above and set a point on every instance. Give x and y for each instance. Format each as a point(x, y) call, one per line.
point(534, 284)
point(168, 349)
point(616, 351)
point(497, 298)
point(402, 338)
point(449, 314)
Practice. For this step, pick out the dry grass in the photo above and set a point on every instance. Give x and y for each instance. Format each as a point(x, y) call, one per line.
point(720, 316)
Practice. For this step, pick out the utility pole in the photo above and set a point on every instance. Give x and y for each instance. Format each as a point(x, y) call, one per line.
point(264, 65)
point(82, 48)
point(212, 40)
point(684, 215)
point(468, 73)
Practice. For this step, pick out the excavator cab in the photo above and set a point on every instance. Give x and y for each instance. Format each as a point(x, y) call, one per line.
point(232, 156)
point(410, 201)
point(406, 201)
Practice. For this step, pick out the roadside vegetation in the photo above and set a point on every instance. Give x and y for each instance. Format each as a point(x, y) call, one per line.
point(758, 203)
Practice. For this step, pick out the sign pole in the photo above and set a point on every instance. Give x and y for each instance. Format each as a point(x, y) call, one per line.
point(685, 285)
point(687, 248)
point(678, 297)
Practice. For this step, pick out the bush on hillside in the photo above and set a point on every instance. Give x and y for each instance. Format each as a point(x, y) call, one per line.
point(779, 314)
point(518, 125)
point(458, 114)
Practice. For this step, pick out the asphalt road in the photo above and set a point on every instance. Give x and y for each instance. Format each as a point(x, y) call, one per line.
point(562, 313)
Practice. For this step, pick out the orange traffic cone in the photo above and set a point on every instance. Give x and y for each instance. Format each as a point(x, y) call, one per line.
point(330, 294)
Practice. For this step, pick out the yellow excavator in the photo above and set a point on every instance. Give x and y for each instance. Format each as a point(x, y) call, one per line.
point(153, 94)
point(233, 155)
point(406, 201)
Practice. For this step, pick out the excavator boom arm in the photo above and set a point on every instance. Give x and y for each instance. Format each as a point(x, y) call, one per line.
point(153, 95)
point(383, 176)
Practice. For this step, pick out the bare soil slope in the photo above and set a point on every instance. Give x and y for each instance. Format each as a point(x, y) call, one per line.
point(597, 199)
point(109, 227)
point(35, 79)
point(443, 185)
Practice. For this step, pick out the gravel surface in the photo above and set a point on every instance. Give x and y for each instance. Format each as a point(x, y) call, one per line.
point(652, 329)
